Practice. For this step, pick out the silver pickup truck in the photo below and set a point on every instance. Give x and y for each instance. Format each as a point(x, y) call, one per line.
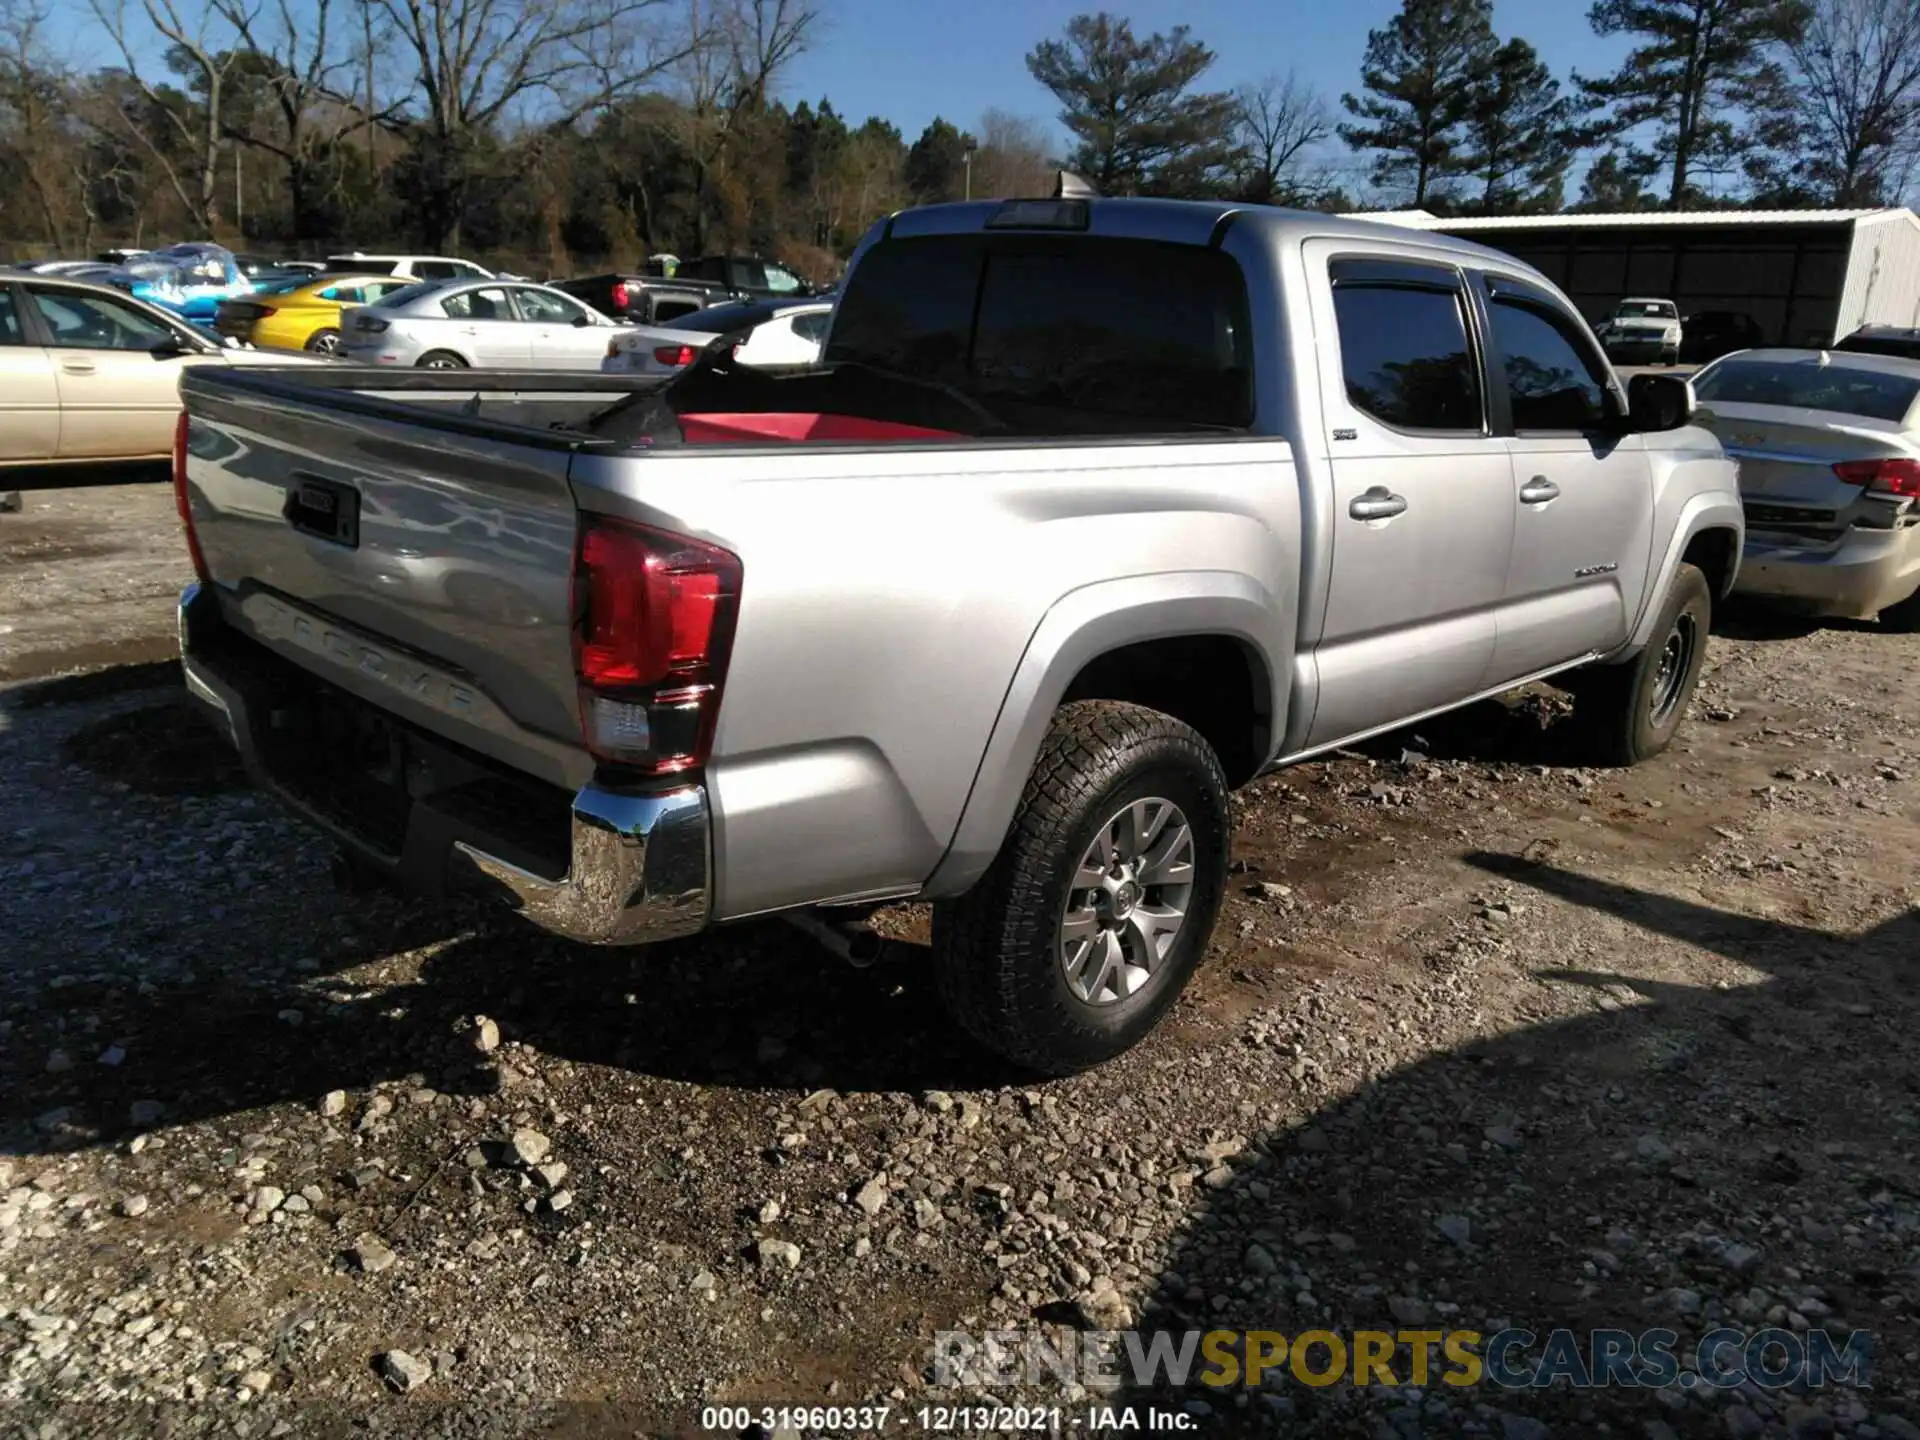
point(1093, 510)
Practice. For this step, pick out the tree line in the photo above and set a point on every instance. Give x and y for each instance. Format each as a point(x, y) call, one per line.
point(562, 132)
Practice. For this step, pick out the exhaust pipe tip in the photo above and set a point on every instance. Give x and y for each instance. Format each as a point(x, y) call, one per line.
point(864, 948)
point(852, 941)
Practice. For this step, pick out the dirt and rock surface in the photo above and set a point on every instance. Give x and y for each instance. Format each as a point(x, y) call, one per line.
point(1485, 1040)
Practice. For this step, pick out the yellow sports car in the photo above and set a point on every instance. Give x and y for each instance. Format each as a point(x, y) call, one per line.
point(302, 313)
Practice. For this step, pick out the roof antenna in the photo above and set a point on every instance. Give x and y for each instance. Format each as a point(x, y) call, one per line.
point(1069, 186)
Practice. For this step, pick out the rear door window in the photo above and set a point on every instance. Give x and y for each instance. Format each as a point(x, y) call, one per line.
point(1404, 347)
point(1144, 334)
point(484, 304)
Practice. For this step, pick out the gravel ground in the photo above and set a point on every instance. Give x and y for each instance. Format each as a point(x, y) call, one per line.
point(1485, 1039)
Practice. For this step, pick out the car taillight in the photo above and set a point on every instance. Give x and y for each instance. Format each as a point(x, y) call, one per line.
point(619, 294)
point(653, 628)
point(1884, 477)
point(180, 501)
point(675, 354)
point(369, 324)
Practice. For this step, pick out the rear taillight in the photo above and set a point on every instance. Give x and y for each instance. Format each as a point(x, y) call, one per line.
point(1898, 477)
point(369, 324)
point(675, 354)
point(180, 501)
point(653, 627)
point(619, 294)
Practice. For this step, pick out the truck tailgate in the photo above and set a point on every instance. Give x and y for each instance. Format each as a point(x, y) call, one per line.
point(425, 568)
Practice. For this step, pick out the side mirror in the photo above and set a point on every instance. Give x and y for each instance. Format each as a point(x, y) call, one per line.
point(1659, 402)
point(174, 346)
point(582, 321)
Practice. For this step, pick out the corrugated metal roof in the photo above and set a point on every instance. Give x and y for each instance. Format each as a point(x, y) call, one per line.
point(1422, 220)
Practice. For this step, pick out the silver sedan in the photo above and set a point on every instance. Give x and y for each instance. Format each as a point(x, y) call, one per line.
point(1829, 452)
point(490, 324)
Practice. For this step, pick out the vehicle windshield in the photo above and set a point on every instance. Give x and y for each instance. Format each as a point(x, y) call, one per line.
point(1644, 310)
point(1809, 385)
point(280, 285)
point(359, 265)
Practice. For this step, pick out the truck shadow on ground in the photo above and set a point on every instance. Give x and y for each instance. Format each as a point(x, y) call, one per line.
point(1585, 1173)
point(1599, 1172)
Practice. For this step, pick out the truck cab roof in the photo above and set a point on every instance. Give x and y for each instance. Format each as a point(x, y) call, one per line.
point(1180, 222)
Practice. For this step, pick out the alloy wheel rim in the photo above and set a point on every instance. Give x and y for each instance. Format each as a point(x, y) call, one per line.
point(1669, 676)
point(326, 344)
point(1127, 902)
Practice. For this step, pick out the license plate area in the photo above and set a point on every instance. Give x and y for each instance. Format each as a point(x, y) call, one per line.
point(326, 510)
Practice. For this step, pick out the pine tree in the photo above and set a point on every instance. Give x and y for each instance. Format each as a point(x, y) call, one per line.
point(935, 161)
point(1129, 103)
point(1419, 75)
point(1518, 136)
point(1701, 67)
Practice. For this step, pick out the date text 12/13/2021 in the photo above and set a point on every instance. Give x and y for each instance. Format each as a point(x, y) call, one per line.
point(942, 1419)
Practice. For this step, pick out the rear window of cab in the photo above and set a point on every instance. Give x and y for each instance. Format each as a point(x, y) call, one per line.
point(1156, 332)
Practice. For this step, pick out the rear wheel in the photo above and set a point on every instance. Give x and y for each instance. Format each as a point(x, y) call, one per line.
point(324, 342)
point(1631, 712)
point(1097, 910)
point(441, 360)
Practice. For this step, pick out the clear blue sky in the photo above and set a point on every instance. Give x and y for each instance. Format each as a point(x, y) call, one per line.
point(909, 60)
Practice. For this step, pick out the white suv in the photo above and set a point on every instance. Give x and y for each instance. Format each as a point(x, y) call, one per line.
point(1643, 328)
point(407, 267)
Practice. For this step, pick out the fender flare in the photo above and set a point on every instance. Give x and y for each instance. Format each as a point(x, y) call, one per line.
point(1716, 510)
point(1080, 626)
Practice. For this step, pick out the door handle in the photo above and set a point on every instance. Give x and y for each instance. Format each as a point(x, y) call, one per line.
point(77, 367)
point(1538, 491)
point(1377, 503)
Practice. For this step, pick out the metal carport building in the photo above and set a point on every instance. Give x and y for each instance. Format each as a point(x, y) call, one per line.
point(1807, 277)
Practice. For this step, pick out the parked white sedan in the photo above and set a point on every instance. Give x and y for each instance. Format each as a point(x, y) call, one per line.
point(782, 334)
point(1829, 452)
point(463, 324)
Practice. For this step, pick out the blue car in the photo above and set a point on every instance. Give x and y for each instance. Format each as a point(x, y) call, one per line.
point(190, 280)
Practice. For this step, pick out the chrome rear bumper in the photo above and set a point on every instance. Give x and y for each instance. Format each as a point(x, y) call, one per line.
point(639, 863)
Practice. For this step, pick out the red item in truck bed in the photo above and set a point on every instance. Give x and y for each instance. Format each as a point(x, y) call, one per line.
point(721, 429)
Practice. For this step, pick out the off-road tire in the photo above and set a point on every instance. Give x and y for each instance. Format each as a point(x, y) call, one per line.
point(1614, 704)
point(996, 948)
point(448, 361)
point(1902, 617)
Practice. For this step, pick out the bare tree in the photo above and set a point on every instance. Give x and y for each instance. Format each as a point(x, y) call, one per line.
point(1012, 157)
point(42, 157)
point(1856, 92)
point(732, 56)
point(477, 63)
point(293, 93)
point(1277, 122)
point(197, 50)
